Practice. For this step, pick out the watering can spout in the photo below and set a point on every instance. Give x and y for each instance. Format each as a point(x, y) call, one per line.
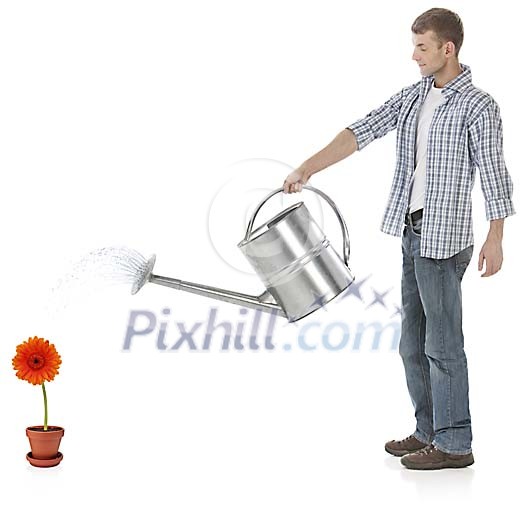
point(261, 302)
point(264, 302)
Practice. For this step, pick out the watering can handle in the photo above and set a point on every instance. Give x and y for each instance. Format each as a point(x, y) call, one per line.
point(346, 239)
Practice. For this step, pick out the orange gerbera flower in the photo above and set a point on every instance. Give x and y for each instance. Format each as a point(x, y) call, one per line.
point(36, 361)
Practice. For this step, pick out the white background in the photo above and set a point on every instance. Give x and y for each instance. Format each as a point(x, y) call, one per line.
point(131, 123)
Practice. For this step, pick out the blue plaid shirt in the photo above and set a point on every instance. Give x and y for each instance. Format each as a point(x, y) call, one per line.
point(465, 134)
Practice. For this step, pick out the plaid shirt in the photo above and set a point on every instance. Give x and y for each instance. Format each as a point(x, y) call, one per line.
point(465, 133)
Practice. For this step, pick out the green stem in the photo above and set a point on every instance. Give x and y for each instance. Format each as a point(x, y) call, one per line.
point(45, 406)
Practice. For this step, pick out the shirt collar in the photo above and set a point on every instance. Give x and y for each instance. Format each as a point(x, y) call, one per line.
point(458, 84)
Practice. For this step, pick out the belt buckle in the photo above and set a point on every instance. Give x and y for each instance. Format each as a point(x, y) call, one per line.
point(408, 220)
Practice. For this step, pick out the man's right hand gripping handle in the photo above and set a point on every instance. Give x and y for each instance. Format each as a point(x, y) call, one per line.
point(295, 181)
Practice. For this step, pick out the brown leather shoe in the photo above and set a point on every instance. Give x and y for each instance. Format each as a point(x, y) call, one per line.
point(432, 458)
point(408, 445)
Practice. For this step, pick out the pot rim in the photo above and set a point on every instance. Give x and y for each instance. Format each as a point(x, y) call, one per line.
point(39, 429)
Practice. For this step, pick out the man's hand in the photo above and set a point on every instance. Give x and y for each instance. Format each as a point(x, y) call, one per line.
point(295, 181)
point(492, 252)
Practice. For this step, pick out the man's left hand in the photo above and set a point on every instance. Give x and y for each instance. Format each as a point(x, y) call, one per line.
point(492, 253)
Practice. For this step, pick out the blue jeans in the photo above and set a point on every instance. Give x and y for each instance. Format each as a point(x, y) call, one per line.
point(431, 344)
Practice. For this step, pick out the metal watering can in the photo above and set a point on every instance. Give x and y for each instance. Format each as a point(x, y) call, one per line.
point(291, 255)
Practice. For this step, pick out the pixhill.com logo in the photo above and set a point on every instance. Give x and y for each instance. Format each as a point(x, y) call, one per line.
point(370, 322)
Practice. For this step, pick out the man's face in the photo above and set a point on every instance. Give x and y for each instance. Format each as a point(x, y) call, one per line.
point(428, 54)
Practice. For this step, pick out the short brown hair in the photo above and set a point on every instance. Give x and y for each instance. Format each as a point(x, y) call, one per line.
point(444, 23)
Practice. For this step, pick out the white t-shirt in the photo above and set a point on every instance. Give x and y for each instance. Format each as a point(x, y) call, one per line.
point(432, 101)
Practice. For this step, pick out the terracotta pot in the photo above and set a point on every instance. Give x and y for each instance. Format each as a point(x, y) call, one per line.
point(44, 443)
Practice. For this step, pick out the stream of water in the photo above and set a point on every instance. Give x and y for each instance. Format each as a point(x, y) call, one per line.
point(98, 269)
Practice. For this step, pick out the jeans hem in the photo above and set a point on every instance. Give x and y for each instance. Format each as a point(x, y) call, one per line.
point(452, 452)
point(427, 439)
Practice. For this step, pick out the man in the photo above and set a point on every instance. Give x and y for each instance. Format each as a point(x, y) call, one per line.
point(446, 128)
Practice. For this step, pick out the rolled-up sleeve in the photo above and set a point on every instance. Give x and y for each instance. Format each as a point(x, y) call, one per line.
point(486, 149)
point(379, 121)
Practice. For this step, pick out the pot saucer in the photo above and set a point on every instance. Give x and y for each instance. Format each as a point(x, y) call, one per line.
point(44, 462)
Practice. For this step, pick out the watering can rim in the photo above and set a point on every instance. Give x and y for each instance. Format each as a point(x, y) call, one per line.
point(344, 228)
point(273, 221)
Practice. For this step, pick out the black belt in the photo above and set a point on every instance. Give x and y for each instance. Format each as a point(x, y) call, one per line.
point(415, 216)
